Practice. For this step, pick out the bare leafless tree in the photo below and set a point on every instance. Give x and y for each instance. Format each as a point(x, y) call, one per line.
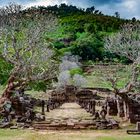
point(126, 43)
point(79, 80)
point(70, 62)
point(23, 44)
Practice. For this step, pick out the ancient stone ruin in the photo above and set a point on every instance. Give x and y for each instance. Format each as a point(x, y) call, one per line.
point(97, 101)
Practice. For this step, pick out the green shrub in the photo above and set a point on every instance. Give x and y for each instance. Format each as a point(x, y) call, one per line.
point(76, 71)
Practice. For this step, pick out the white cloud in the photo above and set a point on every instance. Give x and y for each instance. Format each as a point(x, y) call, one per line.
point(127, 8)
point(45, 2)
point(130, 4)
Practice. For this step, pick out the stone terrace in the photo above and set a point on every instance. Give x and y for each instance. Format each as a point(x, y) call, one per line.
point(68, 116)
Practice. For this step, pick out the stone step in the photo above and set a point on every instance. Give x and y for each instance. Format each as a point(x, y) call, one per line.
point(63, 126)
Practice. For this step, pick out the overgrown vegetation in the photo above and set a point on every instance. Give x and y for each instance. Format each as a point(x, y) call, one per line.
point(79, 31)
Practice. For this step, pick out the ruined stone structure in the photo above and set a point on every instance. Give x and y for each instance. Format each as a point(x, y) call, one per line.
point(88, 98)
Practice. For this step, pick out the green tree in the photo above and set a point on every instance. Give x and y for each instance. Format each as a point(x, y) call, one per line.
point(23, 45)
point(89, 48)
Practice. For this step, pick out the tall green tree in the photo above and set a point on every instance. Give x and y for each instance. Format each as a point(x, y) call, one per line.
point(23, 45)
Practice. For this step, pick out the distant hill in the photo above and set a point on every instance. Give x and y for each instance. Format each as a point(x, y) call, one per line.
point(81, 31)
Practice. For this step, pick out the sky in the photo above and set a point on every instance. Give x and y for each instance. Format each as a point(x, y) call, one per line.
point(127, 8)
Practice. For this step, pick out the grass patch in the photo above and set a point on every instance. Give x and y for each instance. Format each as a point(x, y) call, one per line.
point(66, 135)
point(98, 77)
point(7, 134)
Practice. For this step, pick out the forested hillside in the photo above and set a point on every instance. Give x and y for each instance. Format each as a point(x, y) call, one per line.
point(79, 31)
point(82, 31)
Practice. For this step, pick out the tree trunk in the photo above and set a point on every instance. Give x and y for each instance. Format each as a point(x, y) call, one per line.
point(126, 110)
point(10, 88)
point(126, 106)
point(118, 108)
point(8, 91)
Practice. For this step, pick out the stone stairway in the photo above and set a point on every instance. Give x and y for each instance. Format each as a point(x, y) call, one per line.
point(68, 116)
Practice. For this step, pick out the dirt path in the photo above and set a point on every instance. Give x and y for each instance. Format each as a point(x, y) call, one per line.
point(69, 111)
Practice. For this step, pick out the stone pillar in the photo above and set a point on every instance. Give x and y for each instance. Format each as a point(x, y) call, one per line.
point(138, 126)
point(93, 107)
point(43, 107)
point(120, 106)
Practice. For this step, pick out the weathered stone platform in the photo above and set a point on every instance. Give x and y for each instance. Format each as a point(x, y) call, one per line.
point(68, 116)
